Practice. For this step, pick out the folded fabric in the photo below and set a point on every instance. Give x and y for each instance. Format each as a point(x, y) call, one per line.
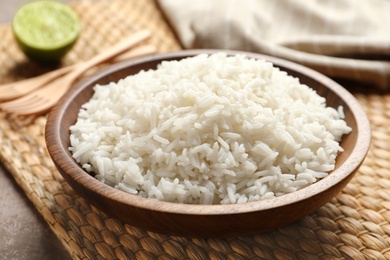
point(340, 38)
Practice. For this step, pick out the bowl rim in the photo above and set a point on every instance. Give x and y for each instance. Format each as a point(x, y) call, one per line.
point(63, 158)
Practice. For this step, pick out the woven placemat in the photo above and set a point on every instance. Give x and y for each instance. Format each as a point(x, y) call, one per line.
point(354, 225)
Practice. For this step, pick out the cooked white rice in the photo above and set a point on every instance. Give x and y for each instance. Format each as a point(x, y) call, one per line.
point(211, 129)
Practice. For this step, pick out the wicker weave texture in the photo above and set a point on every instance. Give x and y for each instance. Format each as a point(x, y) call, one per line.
point(355, 224)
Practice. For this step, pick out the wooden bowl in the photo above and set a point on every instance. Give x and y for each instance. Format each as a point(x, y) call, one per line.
point(209, 220)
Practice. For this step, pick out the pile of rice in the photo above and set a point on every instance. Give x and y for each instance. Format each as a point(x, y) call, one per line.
point(210, 129)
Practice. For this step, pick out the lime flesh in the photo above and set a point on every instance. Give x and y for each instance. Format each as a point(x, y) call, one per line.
point(46, 30)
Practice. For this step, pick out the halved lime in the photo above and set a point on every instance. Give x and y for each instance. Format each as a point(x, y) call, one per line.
point(46, 30)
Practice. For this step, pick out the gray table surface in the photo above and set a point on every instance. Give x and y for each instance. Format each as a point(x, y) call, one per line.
point(23, 232)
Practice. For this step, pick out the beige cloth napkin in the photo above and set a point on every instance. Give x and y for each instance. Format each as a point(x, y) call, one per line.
point(341, 38)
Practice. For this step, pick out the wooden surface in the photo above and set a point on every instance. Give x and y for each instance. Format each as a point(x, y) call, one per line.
point(207, 220)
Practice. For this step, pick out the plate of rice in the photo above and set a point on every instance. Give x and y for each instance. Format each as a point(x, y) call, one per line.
point(208, 142)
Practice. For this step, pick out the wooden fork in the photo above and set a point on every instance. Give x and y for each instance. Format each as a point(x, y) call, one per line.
point(44, 98)
point(20, 88)
point(17, 89)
